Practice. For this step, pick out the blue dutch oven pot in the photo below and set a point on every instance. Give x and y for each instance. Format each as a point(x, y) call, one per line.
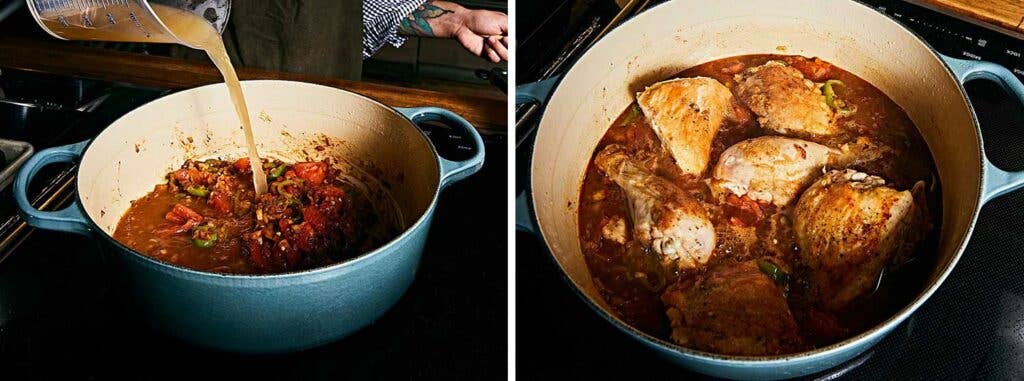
point(258, 313)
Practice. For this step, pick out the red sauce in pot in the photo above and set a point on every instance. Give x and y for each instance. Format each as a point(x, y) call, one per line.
point(207, 217)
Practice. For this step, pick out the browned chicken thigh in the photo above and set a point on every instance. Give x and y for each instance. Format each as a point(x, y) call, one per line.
point(664, 218)
point(770, 169)
point(732, 309)
point(849, 226)
point(784, 101)
point(686, 113)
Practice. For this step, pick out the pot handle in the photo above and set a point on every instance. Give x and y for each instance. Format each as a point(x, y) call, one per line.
point(526, 220)
point(536, 92)
point(70, 219)
point(996, 182)
point(524, 214)
point(451, 171)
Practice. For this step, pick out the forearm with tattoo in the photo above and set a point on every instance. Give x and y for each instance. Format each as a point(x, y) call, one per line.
point(417, 23)
point(481, 32)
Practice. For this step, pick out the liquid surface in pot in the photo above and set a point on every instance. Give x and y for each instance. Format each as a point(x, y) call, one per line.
point(752, 210)
point(206, 217)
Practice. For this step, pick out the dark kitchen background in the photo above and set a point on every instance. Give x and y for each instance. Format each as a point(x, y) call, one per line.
point(60, 317)
point(971, 328)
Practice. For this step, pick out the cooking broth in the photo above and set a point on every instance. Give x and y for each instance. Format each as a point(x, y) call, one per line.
point(190, 28)
point(197, 32)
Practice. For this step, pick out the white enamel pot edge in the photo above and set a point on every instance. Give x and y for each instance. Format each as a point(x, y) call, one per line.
point(295, 119)
point(679, 34)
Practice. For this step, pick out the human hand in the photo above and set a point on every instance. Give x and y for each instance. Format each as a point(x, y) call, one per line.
point(481, 32)
point(485, 33)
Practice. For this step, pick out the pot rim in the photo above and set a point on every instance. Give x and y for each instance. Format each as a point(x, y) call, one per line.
point(876, 332)
point(166, 266)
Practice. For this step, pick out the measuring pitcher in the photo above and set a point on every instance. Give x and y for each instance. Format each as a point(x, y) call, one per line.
point(125, 20)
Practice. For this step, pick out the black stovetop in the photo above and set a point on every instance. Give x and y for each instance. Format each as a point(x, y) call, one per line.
point(60, 317)
point(971, 328)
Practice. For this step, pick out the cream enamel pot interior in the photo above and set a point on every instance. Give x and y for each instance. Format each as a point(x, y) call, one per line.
point(679, 34)
point(381, 147)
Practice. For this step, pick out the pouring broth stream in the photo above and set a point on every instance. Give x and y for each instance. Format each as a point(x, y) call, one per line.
point(188, 28)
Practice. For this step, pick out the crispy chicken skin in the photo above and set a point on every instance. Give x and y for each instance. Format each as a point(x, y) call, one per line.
point(732, 309)
point(769, 169)
point(686, 113)
point(664, 218)
point(849, 226)
point(784, 101)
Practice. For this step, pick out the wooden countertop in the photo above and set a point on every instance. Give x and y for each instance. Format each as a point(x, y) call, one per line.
point(488, 115)
point(1008, 14)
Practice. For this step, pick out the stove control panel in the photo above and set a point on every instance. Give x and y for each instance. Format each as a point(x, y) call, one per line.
point(955, 37)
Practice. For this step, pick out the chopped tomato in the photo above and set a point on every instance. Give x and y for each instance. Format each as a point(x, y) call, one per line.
point(313, 173)
point(221, 201)
point(242, 165)
point(180, 214)
point(327, 193)
point(254, 244)
point(742, 210)
point(312, 216)
point(813, 69)
point(221, 196)
point(183, 218)
point(305, 237)
point(189, 177)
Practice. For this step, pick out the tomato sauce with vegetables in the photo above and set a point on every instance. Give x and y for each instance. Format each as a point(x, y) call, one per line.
point(207, 217)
